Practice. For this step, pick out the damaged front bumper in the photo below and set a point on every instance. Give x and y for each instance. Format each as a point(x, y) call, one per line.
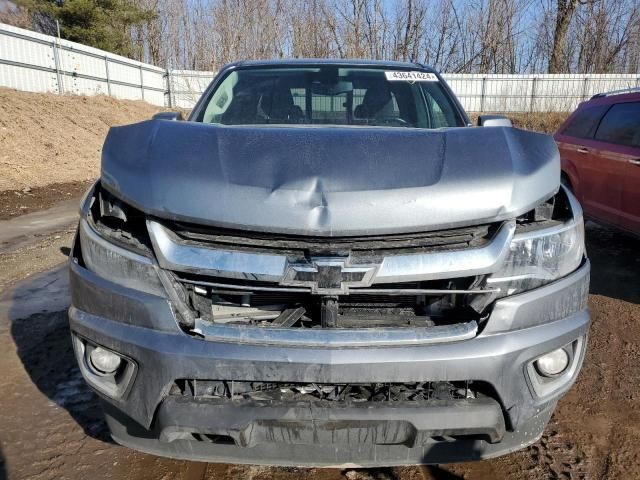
point(151, 413)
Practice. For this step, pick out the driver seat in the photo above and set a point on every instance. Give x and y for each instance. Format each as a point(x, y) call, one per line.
point(279, 106)
point(377, 102)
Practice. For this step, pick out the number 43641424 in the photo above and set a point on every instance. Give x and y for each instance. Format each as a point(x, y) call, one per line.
point(411, 76)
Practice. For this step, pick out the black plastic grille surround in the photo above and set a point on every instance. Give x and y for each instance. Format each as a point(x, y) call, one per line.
point(357, 246)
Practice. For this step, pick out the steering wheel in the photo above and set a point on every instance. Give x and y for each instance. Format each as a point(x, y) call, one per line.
point(391, 120)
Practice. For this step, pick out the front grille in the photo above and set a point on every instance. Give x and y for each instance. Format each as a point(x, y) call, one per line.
point(357, 246)
point(243, 302)
point(343, 392)
point(310, 282)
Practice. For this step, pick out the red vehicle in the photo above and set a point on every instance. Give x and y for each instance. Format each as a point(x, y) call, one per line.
point(600, 152)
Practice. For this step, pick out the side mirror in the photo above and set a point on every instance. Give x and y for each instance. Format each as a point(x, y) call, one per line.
point(175, 116)
point(494, 121)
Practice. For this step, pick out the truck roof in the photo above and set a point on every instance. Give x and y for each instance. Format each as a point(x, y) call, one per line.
point(329, 61)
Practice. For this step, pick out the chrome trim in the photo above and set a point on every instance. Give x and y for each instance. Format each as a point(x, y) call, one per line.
point(244, 287)
point(183, 257)
point(352, 291)
point(576, 208)
point(176, 254)
point(420, 291)
point(337, 337)
point(448, 264)
point(366, 272)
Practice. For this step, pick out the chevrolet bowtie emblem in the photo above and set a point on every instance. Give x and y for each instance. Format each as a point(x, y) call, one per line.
point(329, 276)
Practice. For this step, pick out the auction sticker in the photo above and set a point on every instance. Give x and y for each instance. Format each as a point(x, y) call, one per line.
point(411, 76)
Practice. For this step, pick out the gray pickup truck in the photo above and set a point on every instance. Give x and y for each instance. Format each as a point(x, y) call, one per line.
point(327, 265)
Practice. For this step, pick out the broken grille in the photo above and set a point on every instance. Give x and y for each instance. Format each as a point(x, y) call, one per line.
point(314, 282)
point(411, 304)
point(343, 392)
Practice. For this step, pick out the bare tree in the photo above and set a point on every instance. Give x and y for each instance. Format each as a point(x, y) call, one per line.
point(409, 26)
point(310, 32)
point(605, 29)
point(487, 36)
point(631, 51)
point(564, 13)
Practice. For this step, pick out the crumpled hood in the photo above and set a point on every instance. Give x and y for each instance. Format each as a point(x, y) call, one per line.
point(329, 181)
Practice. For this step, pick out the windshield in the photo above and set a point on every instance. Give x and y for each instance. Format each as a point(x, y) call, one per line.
point(331, 95)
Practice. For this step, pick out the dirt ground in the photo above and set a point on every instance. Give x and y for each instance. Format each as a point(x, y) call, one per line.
point(19, 202)
point(65, 136)
point(51, 425)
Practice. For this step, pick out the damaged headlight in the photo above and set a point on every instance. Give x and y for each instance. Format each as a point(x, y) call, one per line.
point(540, 256)
point(114, 242)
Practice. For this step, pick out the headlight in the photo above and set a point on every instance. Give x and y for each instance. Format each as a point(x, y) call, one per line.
point(541, 256)
point(113, 244)
point(117, 264)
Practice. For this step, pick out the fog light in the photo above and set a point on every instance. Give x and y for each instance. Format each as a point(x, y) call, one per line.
point(104, 361)
point(553, 363)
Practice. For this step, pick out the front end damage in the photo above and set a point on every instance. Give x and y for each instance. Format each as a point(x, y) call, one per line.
point(367, 348)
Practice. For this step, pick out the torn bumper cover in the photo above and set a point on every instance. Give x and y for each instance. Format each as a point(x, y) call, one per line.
point(483, 398)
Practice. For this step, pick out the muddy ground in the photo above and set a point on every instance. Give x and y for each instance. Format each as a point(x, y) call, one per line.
point(14, 203)
point(51, 425)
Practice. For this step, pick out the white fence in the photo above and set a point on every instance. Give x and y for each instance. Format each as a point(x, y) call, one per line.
point(533, 92)
point(186, 86)
point(41, 63)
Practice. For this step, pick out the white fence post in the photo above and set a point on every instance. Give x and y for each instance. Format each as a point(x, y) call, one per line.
point(56, 61)
point(532, 102)
point(141, 82)
point(585, 87)
point(106, 68)
point(169, 99)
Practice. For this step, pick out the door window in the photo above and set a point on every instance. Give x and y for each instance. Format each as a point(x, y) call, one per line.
point(621, 125)
point(584, 121)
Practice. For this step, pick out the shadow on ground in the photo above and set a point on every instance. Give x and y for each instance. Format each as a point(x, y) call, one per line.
point(615, 263)
point(425, 472)
point(3, 471)
point(40, 331)
point(434, 472)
